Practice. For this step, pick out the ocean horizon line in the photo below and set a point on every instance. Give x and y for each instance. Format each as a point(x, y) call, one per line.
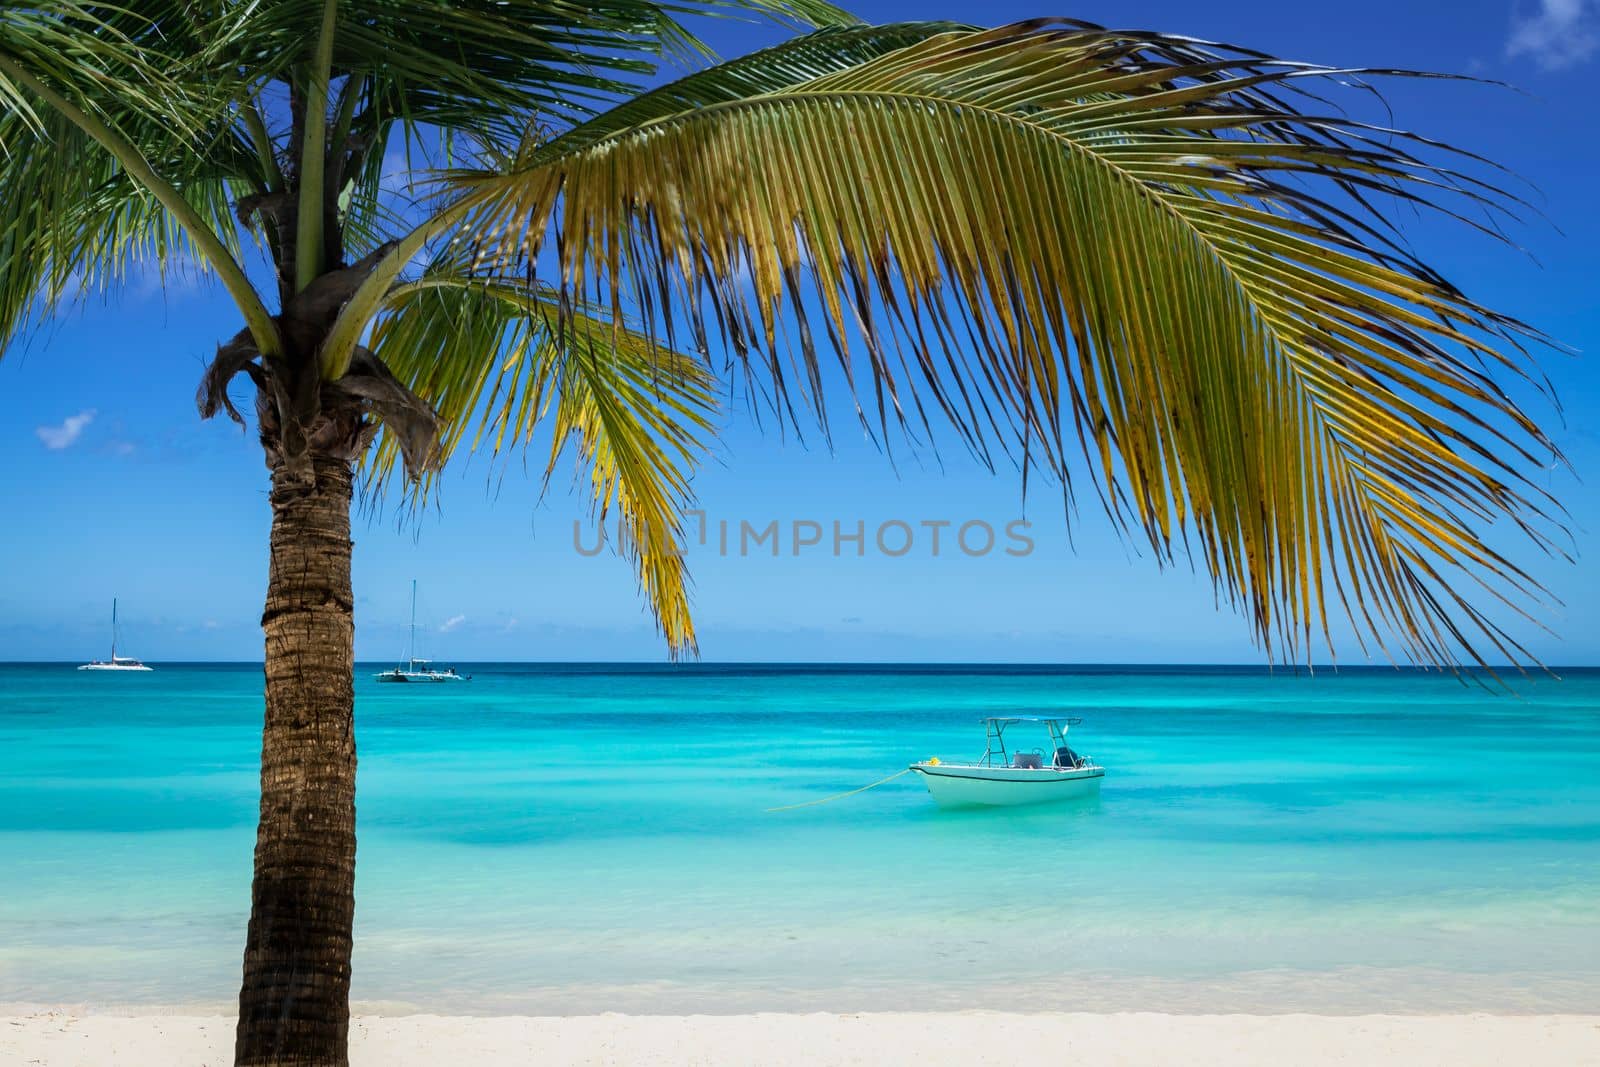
point(897, 666)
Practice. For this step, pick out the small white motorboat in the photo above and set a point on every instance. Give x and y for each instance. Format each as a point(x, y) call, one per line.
point(116, 662)
point(1002, 779)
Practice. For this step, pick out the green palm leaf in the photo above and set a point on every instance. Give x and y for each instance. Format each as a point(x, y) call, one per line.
point(73, 220)
point(1072, 240)
point(195, 88)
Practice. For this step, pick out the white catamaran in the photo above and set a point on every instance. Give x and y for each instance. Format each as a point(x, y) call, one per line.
point(1023, 777)
point(419, 670)
point(116, 662)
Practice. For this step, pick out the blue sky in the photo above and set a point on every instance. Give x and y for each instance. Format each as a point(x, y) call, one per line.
point(113, 487)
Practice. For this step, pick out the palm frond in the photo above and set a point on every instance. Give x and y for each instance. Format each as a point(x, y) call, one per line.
point(500, 364)
point(1154, 252)
point(765, 71)
point(112, 157)
point(90, 53)
point(72, 220)
point(194, 87)
point(486, 68)
point(832, 49)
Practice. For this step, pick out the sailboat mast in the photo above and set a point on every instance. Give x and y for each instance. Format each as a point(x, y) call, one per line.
point(113, 629)
point(412, 654)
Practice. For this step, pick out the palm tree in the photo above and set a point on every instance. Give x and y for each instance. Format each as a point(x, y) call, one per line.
point(1150, 264)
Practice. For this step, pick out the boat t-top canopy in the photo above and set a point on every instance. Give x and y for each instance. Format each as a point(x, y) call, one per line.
point(994, 728)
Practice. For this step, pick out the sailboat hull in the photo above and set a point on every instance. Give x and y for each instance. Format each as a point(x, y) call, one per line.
point(420, 676)
point(115, 667)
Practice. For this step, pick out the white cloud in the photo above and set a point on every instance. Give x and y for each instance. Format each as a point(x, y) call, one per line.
point(452, 623)
point(1561, 33)
point(67, 434)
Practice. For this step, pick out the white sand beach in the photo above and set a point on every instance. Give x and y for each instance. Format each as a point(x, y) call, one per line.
point(953, 1038)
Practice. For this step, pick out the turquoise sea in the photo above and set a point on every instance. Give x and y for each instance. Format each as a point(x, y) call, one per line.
point(583, 838)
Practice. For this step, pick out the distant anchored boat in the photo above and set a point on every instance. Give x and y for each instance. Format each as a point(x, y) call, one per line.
point(116, 662)
point(413, 669)
point(421, 670)
point(1022, 777)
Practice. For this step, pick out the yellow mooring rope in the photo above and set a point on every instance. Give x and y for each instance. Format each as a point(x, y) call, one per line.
point(841, 796)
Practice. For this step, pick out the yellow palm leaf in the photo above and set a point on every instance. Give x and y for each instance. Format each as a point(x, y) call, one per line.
point(1072, 240)
point(494, 353)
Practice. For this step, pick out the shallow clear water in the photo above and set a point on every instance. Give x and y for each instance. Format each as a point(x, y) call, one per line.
point(573, 839)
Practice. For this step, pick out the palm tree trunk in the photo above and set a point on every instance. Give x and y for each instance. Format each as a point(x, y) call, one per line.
point(294, 1003)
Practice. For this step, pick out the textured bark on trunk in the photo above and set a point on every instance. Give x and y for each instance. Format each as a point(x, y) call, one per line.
point(294, 1002)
